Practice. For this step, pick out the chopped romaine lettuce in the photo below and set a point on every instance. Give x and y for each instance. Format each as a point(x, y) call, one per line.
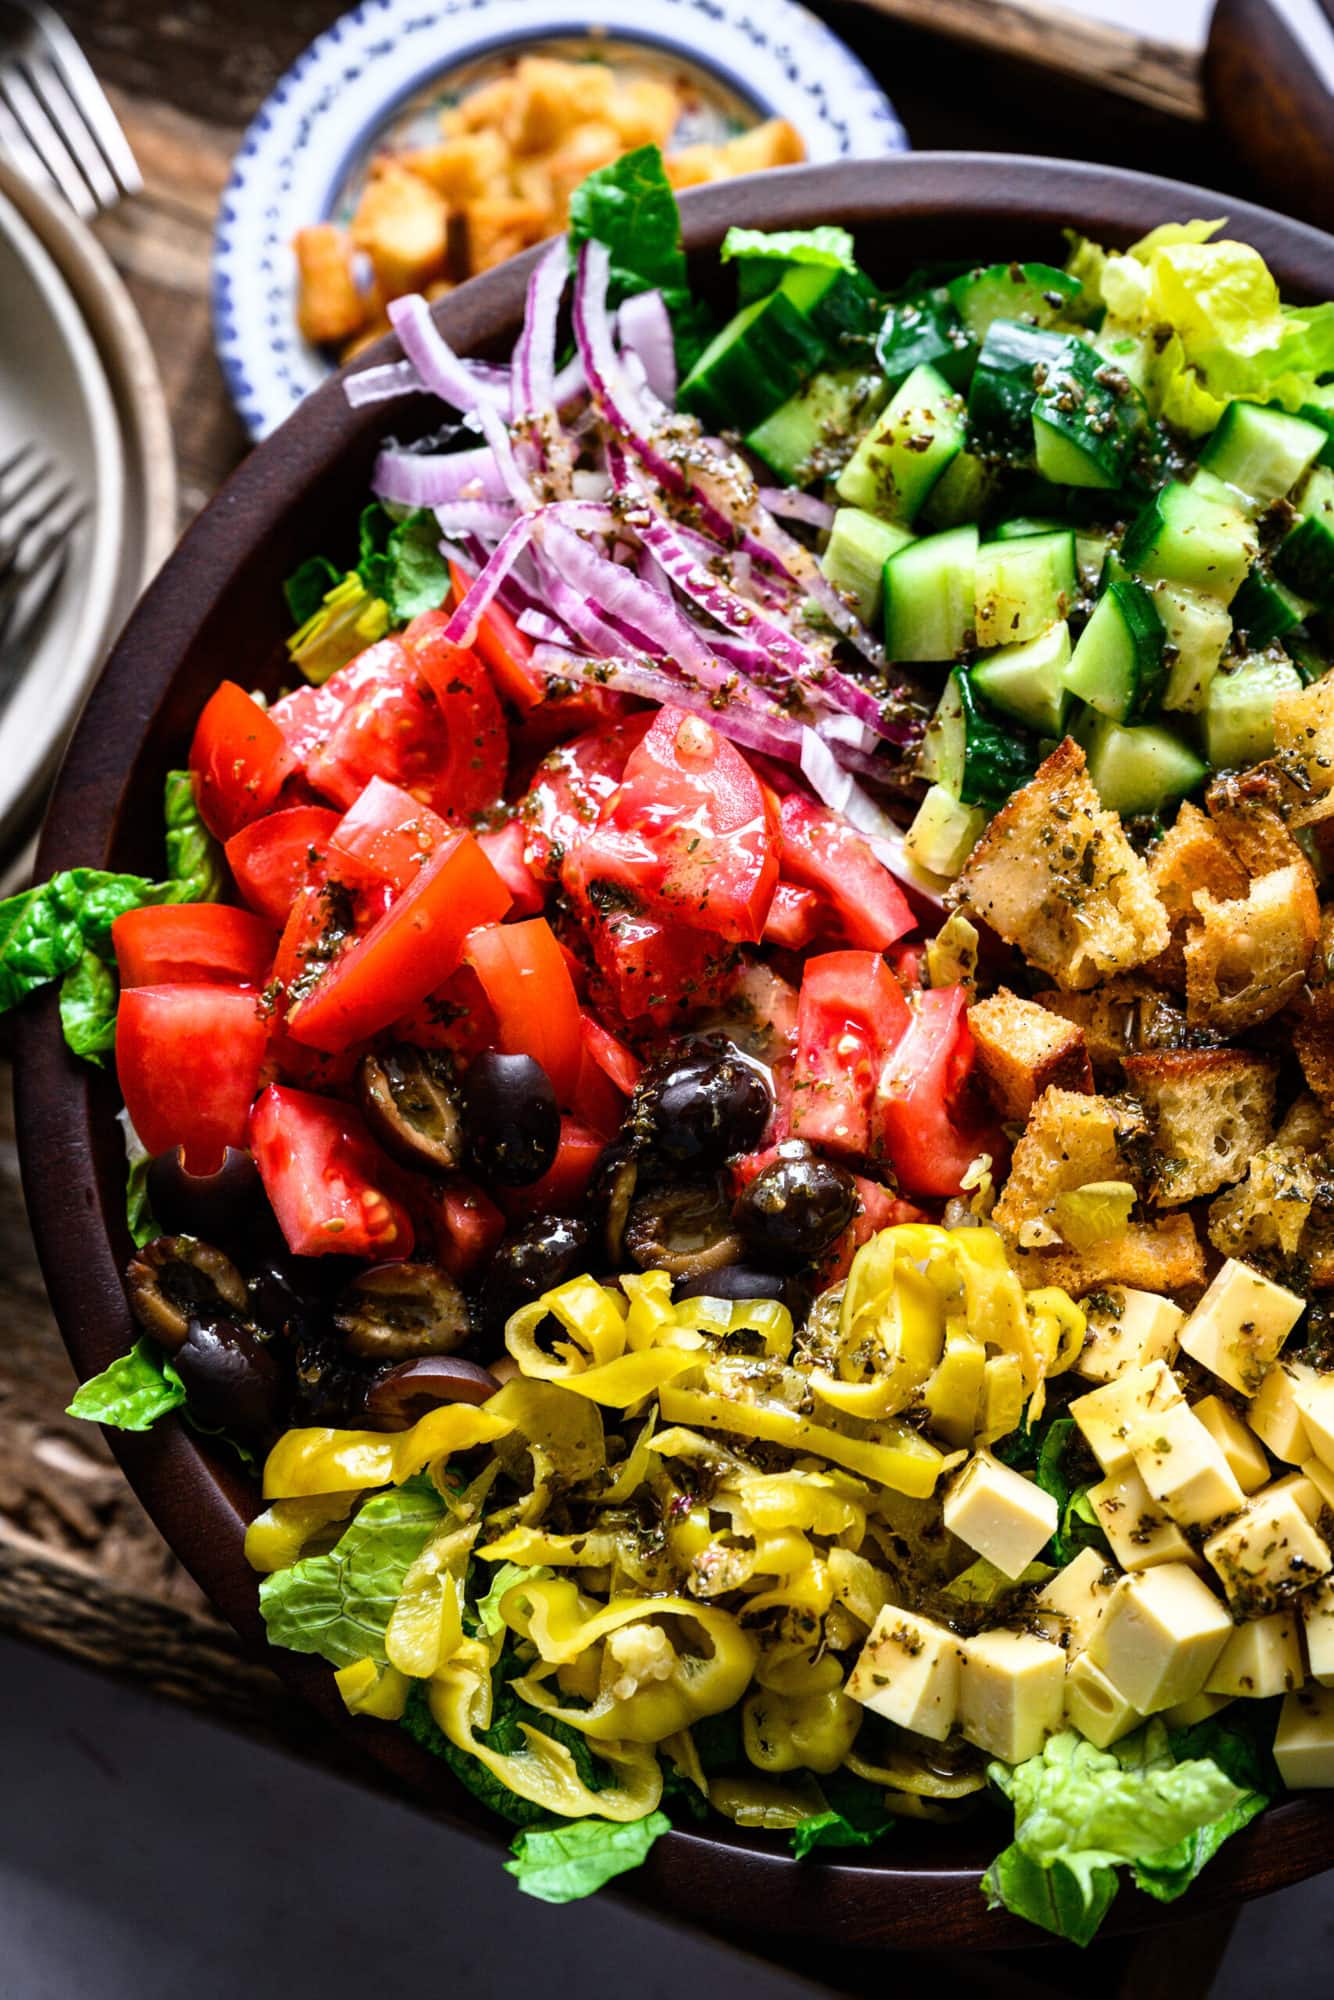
point(339, 1604)
point(88, 994)
point(630, 207)
point(139, 1219)
point(195, 863)
point(574, 1858)
point(855, 1816)
point(132, 1393)
point(503, 1579)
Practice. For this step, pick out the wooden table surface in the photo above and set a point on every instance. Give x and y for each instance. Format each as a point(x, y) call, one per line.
point(81, 1568)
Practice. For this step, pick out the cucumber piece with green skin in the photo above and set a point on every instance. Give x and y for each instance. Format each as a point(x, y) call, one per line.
point(1197, 629)
point(1092, 548)
point(974, 755)
point(1140, 769)
point(1265, 609)
point(960, 494)
point(1260, 451)
point(1036, 292)
point(1086, 420)
point(928, 596)
point(944, 832)
point(842, 306)
point(1027, 683)
point(906, 449)
point(1004, 388)
point(760, 359)
point(1023, 527)
point(1023, 586)
point(1314, 413)
point(1186, 536)
point(1239, 714)
point(859, 546)
point(806, 437)
point(1117, 666)
point(1310, 664)
point(1304, 559)
point(925, 329)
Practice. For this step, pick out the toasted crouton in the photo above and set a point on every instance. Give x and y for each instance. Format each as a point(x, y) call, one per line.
point(1123, 1018)
point(1313, 1039)
point(1070, 1141)
point(462, 169)
point(329, 306)
point(1164, 1256)
point(1247, 810)
point(1191, 855)
point(1249, 957)
point(403, 226)
point(1209, 1110)
point(1023, 1049)
point(1055, 875)
point(1269, 1209)
point(1304, 736)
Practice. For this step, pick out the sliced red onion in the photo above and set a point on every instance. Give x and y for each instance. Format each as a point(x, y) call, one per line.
point(377, 385)
point(845, 730)
point(534, 377)
point(547, 631)
point(617, 592)
point(571, 382)
point(433, 479)
point(439, 367)
point(497, 436)
point(656, 681)
point(487, 518)
point(795, 506)
point(646, 330)
point(800, 563)
point(462, 627)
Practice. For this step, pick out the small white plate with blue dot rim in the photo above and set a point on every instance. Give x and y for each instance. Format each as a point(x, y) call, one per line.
point(381, 70)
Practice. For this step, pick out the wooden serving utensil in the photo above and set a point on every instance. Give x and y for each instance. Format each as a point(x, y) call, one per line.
point(1269, 79)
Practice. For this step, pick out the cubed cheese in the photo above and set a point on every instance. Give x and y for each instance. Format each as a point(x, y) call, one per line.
point(1267, 1554)
point(1183, 1468)
point(1200, 1708)
point(1126, 1328)
point(1160, 1636)
point(1304, 1743)
point(1275, 1417)
point(1011, 1693)
point(908, 1671)
point(1070, 1606)
point(1317, 1608)
point(1140, 1533)
point(1321, 1477)
point(1240, 1324)
point(1261, 1658)
point(1304, 1491)
point(1238, 1444)
point(1313, 1393)
point(1109, 1416)
point(1095, 1707)
point(998, 1512)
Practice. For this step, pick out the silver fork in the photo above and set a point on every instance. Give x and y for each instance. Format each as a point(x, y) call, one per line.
point(38, 515)
point(55, 123)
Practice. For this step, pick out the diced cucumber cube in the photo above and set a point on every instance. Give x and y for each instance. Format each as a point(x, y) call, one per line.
point(929, 587)
point(1261, 451)
point(859, 546)
point(1023, 586)
point(1197, 630)
point(1028, 681)
point(1185, 535)
point(906, 449)
point(1037, 292)
point(1140, 770)
point(1117, 665)
point(944, 832)
point(1239, 714)
point(1304, 559)
point(809, 434)
point(960, 494)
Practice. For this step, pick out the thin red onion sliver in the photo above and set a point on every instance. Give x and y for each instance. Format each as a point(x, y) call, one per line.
point(439, 367)
point(646, 330)
point(433, 479)
point(377, 385)
point(464, 621)
point(797, 506)
point(617, 592)
point(502, 450)
point(533, 382)
point(474, 517)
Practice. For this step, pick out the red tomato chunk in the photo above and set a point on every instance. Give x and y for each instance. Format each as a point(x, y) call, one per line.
point(199, 943)
point(238, 759)
point(189, 1060)
point(327, 1181)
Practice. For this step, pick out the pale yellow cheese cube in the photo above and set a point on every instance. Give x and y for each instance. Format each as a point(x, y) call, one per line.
point(998, 1512)
point(1160, 1636)
point(1011, 1693)
point(1267, 1554)
point(1183, 1468)
point(1109, 1416)
point(1095, 1707)
point(1304, 1742)
point(1239, 1445)
point(1275, 1417)
point(1303, 1490)
point(1317, 1608)
point(1126, 1328)
point(1260, 1659)
point(1240, 1324)
point(1321, 1477)
point(1140, 1533)
point(1313, 1393)
point(908, 1671)
point(1070, 1606)
point(1200, 1708)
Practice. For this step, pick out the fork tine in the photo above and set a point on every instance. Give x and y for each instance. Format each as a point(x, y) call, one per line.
point(17, 93)
point(14, 536)
point(16, 146)
point(15, 459)
point(91, 99)
point(81, 142)
point(35, 475)
point(22, 606)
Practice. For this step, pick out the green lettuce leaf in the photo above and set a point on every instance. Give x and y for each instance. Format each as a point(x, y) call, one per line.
point(375, 525)
point(856, 1816)
point(195, 863)
point(307, 587)
point(132, 1393)
point(415, 576)
point(630, 206)
point(1080, 1813)
point(139, 1219)
point(503, 1579)
point(559, 1864)
point(88, 996)
point(339, 1604)
point(1078, 1526)
point(45, 930)
point(763, 257)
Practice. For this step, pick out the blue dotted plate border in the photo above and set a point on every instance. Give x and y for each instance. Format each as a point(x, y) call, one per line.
point(802, 71)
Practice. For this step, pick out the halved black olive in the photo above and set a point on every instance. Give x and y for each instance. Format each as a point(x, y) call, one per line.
point(217, 1206)
point(174, 1279)
point(512, 1118)
point(396, 1312)
point(232, 1381)
point(537, 1257)
point(329, 1385)
point(411, 1105)
point(743, 1281)
point(612, 1192)
point(698, 1108)
point(795, 1209)
point(405, 1393)
point(684, 1230)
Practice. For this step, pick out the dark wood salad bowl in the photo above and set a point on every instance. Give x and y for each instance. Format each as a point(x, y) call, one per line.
point(216, 611)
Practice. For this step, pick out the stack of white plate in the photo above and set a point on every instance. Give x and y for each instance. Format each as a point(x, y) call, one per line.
point(77, 380)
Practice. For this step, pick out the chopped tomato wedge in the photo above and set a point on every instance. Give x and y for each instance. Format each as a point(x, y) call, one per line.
point(208, 944)
point(307, 716)
point(907, 962)
point(569, 788)
point(387, 835)
point(504, 849)
point(794, 917)
point(272, 858)
point(506, 650)
point(467, 1225)
point(566, 1182)
point(528, 985)
point(821, 851)
point(850, 1014)
point(189, 1060)
point(930, 1129)
point(607, 1075)
point(621, 1065)
point(409, 953)
point(457, 1017)
point(880, 1209)
point(327, 1181)
point(651, 967)
point(692, 831)
point(239, 761)
point(470, 711)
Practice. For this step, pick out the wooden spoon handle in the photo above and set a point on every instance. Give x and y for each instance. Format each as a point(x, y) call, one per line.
point(1269, 78)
